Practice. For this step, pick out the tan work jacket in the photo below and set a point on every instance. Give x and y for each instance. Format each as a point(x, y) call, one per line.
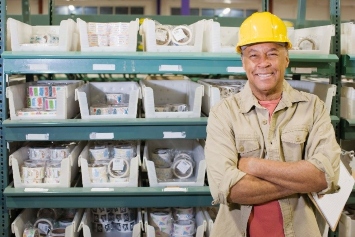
point(300, 128)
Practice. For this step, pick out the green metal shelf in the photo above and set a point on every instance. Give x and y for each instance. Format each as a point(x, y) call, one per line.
point(347, 129)
point(147, 62)
point(348, 65)
point(77, 197)
point(122, 129)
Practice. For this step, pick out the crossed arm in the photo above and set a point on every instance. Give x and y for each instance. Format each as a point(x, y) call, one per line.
point(267, 180)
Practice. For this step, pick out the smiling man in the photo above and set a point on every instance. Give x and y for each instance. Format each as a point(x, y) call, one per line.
point(269, 145)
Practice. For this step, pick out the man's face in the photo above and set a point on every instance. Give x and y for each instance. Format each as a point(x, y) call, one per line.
point(265, 64)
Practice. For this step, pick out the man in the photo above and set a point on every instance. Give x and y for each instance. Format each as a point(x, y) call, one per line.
point(269, 145)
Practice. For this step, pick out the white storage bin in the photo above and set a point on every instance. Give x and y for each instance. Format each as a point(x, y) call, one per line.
point(347, 38)
point(347, 101)
point(68, 168)
point(86, 226)
point(94, 92)
point(148, 32)
point(28, 215)
point(133, 171)
point(209, 219)
point(219, 39)
point(158, 92)
point(20, 33)
point(197, 150)
point(325, 92)
point(130, 46)
point(346, 225)
point(200, 220)
point(312, 40)
point(66, 106)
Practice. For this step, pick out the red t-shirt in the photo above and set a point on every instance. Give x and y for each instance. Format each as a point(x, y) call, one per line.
point(266, 219)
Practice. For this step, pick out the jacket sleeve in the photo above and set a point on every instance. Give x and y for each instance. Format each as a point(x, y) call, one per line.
point(322, 148)
point(221, 154)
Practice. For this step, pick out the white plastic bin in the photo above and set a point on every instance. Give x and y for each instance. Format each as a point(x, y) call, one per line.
point(157, 92)
point(68, 168)
point(347, 101)
point(324, 91)
point(20, 35)
point(346, 225)
point(148, 32)
point(28, 215)
point(209, 219)
point(347, 38)
point(66, 106)
point(131, 45)
point(312, 40)
point(200, 220)
point(197, 150)
point(93, 92)
point(133, 171)
point(86, 227)
point(219, 39)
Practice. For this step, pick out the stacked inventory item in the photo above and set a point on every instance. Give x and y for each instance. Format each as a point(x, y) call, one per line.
point(121, 219)
point(110, 162)
point(173, 222)
point(111, 36)
point(115, 103)
point(44, 163)
point(41, 99)
point(171, 108)
point(228, 88)
point(49, 222)
point(172, 164)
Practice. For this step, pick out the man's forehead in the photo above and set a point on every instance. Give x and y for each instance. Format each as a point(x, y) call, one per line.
point(264, 45)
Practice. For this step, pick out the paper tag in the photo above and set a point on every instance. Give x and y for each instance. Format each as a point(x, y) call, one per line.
point(235, 69)
point(38, 67)
point(36, 189)
point(37, 137)
point(179, 34)
point(174, 189)
point(102, 189)
point(174, 68)
point(109, 67)
point(118, 164)
point(43, 227)
point(95, 135)
point(160, 35)
point(183, 166)
point(174, 134)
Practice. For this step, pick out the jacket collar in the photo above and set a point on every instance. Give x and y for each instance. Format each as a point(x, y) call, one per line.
point(289, 96)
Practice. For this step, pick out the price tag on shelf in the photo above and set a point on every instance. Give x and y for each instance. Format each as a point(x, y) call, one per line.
point(172, 68)
point(103, 67)
point(307, 70)
point(174, 189)
point(97, 135)
point(36, 190)
point(236, 69)
point(174, 134)
point(37, 137)
point(38, 67)
point(102, 189)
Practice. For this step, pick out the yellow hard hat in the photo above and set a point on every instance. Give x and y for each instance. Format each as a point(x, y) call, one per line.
point(262, 27)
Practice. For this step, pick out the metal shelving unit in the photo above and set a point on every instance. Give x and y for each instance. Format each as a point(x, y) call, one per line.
point(122, 63)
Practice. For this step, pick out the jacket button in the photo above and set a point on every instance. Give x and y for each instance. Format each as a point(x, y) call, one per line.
point(298, 139)
point(264, 122)
point(241, 149)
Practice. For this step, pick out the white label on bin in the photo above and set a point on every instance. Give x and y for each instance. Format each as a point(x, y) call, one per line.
point(102, 189)
point(38, 67)
point(42, 137)
point(118, 165)
point(96, 135)
point(175, 68)
point(303, 69)
point(36, 189)
point(235, 69)
point(174, 189)
point(99, 67)
point(174, 134)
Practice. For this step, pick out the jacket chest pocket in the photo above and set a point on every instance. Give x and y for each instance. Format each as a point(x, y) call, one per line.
point(293, 142)
point(247, 145)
